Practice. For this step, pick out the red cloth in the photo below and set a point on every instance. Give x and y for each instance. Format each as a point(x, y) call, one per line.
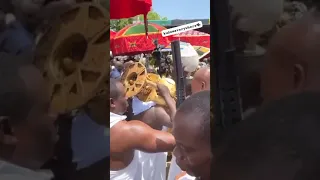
point(112, 34)
point(129, 8)
point(137, 42)
point(195, 38)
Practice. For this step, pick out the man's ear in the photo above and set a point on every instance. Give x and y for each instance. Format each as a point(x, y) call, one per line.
point(299, 79)
point(7, 139)
point(203, 85)
point(112, 105)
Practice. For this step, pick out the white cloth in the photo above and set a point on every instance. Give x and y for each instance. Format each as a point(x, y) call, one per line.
point(10, 171)
point(139, 106)
point(174, 169)
point(189, 57)
point(115, 118)
point(133, 170)
point(153, 165)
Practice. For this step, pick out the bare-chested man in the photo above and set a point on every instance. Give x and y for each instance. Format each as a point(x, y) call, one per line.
point(292, 59)
point(127, 138)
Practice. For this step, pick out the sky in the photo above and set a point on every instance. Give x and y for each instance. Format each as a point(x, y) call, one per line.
point(182, 9)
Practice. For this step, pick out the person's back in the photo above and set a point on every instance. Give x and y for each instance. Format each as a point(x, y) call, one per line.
point(127, 138)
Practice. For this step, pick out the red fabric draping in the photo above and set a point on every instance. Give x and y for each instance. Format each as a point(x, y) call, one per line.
point(124, 44)
point(129, 8)
point(112, 34)
point(195, 38)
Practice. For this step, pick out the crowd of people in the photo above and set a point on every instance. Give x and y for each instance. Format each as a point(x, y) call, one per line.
point(145, 135)
point(277, 140)
point(278, 137)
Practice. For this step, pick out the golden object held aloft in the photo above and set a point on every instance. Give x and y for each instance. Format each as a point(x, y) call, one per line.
point(143, 85)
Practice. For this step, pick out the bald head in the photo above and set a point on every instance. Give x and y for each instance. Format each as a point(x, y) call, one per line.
point(191, 129)
point(292, 60)
point(201, 80)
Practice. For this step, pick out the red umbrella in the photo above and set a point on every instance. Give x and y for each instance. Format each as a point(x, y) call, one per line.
point(132, 39)
point(129, 8)
point(195, 38)
point(112, 34)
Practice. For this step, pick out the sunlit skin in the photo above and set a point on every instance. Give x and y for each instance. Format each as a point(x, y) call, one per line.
point(201, 80)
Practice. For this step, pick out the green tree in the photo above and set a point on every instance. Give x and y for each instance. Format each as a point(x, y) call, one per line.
point(152, 15)
point(121, 23)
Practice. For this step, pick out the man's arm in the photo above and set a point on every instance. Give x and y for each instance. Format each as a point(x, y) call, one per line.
point(143, 137)
point(171, 103)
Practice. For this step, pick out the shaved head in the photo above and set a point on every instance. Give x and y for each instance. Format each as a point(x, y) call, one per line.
point(191, 129)
point(201, 80)
point(292, 60)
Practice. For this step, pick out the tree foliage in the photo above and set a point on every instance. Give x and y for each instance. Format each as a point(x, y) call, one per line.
point(152, 15)
point(121, 23)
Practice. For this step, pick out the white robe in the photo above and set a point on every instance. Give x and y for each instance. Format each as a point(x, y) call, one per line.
point(153, 165)
point(133, 170)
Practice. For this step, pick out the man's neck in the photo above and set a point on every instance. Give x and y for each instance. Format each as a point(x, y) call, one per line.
point(115, 112)
point(26, 159)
